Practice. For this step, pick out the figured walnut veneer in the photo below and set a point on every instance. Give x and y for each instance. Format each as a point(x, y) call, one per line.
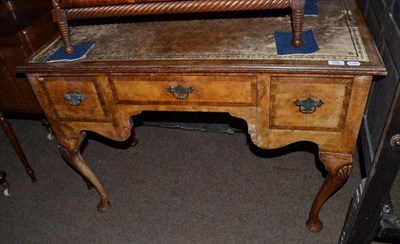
point(282, 101)
point(79, 9)
point(264, 100)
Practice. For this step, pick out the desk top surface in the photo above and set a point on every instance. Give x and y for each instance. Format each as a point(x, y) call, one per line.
point(224, 42)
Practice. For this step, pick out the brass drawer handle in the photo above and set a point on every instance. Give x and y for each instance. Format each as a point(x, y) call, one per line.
point(74, 98)
point(308, 106)
point(180, 92)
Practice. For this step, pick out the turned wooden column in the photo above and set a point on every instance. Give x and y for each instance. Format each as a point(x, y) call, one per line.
point(297, 22)
point(60, 19)
point(339, 167)
point(17, 147)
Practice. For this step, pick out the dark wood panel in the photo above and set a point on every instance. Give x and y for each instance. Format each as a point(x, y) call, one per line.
point(35, 36)
point(396, 12)
point(388, 5)
point(380, 123)
point(8, 99)
point(15, 92)
point(381, 96)
point(373, 25)
point(25, 26)
point(363, 219)
point(385, 25)
point(387, 39)
point(392, 37)
point(32, 4)
point(362, 4)
point(380, 12)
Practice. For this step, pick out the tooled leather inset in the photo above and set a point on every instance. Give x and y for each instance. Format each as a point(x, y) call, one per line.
point(344, 172)
point(174, 39)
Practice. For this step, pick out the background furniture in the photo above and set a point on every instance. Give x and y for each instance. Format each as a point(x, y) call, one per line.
point(14, 141)
point(282, 100)
point(371, 214)
point(25, 26)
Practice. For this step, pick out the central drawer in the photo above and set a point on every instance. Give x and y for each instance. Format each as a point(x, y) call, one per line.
point(218, 90)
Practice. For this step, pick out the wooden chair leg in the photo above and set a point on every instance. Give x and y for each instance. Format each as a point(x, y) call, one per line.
point(17, 147)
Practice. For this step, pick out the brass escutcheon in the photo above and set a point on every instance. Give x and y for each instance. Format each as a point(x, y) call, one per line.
point(308, 106)
point(74, 98)
point(180, 92)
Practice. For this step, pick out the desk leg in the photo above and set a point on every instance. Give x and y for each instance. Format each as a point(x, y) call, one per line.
point(17, 147)
point(74, 158)
point(339, 168)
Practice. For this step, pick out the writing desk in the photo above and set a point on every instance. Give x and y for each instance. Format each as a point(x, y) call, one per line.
point(216, 65)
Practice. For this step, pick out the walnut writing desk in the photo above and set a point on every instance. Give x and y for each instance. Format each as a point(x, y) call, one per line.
point(216, 65)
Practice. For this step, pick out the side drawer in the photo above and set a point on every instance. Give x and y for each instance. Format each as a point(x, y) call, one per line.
point(309, 103)
point(186, 89)
point(76, 99)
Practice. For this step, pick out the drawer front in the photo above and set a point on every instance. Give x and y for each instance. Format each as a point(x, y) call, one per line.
point(76, 99)
point(317, 103)
point(189, 89)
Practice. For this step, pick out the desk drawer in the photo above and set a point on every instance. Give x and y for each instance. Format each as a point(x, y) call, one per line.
point(76, 99)
point(317, 103)
point(187, 89)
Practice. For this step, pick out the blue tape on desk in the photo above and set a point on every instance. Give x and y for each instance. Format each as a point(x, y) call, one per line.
point(80, 51)
point(283, 42)
point(311, 8)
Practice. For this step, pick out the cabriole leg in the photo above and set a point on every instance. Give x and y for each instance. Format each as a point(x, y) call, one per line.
point(339, 167)
point(70, 152)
